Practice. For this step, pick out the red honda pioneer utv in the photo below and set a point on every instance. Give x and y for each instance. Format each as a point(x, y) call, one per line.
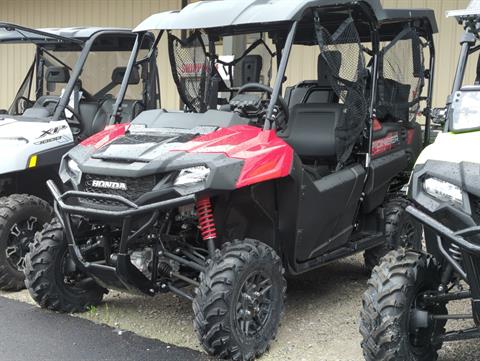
point(406, 306)
point(216, 203)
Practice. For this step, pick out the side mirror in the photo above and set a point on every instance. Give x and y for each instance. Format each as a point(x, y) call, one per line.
point(439, 116)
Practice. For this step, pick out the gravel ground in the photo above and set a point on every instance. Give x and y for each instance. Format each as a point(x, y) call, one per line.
point(320, 324)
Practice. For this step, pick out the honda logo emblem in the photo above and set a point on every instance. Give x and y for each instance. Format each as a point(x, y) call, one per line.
point(109, 185)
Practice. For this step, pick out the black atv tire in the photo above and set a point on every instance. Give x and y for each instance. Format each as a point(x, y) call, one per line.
point(401, 230)
point(21, 216)
point(45, 275)
point(384, 321)
point(220, 304)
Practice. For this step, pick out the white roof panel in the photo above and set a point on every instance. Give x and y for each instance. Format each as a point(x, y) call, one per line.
point(472, 9)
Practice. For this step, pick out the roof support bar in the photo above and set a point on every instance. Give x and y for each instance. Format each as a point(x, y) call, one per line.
point(280, 75)
point(124, 85)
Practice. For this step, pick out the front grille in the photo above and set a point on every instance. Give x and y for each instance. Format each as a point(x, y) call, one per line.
point(135, 187)
point(105, 204)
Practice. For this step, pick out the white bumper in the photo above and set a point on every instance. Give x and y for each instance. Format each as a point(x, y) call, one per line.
point(453, 148)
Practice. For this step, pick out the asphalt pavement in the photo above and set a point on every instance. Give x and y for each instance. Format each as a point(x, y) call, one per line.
point(28, 333)
point(320, 324)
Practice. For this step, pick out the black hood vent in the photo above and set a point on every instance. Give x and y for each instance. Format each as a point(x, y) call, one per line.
point(139, 147)
point(139, 138)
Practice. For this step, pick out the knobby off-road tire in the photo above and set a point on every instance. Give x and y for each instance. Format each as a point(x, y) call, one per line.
point(401, 230)
point(21, 216)
point(387, 302)
point(45, 275)
point(226, 296)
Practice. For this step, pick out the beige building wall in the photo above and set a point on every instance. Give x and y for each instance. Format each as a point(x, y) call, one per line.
point(15, 60)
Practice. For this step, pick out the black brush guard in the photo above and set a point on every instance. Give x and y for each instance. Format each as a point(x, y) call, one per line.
point(124, 276)
point(470, 273)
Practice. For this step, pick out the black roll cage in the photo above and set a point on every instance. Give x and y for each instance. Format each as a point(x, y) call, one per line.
point(78, 69)
point(85, 47)
point(132, 62)
point(283, 54)
point(37, 63)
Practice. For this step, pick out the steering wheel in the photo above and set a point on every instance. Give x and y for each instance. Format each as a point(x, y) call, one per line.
point(78, 121)
point(281, 103)
point(27, 103)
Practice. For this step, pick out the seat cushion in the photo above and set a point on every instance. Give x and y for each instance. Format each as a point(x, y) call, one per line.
point(309, 92)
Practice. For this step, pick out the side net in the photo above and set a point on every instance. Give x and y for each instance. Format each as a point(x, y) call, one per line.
point(344, 56)
point(402, 77)
point(190, 69)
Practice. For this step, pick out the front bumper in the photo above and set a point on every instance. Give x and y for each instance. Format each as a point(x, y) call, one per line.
point(468, 267)
point(129, 209)
point(123, 275)
point(457, 237)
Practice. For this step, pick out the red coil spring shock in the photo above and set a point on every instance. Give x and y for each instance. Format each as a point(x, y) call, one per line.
point(205, 219)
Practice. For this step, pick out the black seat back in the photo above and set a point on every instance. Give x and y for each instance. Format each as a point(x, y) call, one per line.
point(315, 91)
point(95, 118)
point(92, 120)
point(249, 70)
point(311, 131)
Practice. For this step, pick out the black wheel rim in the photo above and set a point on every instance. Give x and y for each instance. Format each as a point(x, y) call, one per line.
point(254, 304)
point(19, 238)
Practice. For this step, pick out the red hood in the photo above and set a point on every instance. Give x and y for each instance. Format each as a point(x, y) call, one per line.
point(110, 133)
point(265, 155)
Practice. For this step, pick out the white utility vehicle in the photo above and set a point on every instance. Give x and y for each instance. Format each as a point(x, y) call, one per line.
point(71, 90)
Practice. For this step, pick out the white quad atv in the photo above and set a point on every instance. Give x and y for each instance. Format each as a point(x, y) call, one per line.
point(72, 90)
point(409, 307)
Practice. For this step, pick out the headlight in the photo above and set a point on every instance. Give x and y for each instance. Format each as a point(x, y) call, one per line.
point(74, 171)
point(192, 175)
point(443, 191)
